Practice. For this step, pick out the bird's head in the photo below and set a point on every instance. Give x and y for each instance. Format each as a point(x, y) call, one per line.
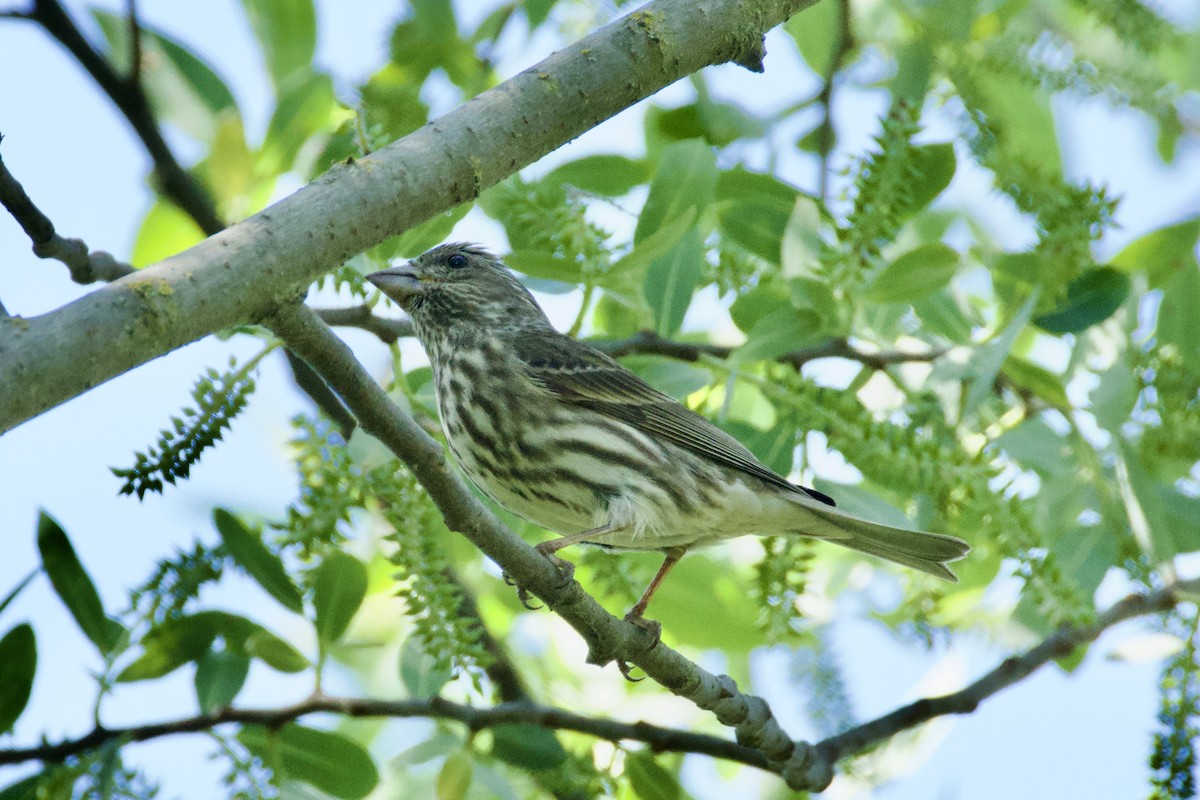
point(459, 285)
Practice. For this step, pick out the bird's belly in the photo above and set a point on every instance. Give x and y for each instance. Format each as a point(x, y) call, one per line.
point(577, 491)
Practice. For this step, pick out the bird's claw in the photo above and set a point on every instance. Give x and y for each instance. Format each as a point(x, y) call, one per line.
point(649, 626)
point(565, 568)
point(522, 593)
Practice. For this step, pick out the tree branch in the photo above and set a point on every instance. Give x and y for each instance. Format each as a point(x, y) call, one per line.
point(825, 137)
point(387, 329)
point(240, 274)
point(1012, 670)
point(608, 638)
point(179, 185)
point(86, 266)
point(651, 343)
point(855, 740)
point(658, 738)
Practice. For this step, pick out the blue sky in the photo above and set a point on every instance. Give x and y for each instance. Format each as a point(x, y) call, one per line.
point(78, 161)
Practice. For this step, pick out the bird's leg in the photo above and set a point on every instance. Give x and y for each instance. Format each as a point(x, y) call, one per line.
point(548, 549)
point(566, 568)
point(636, 614)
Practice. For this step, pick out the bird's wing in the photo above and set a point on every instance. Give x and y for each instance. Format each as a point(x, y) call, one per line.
point(575, 373)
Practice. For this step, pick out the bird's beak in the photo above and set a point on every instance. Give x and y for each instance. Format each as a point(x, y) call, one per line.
point(399, 283)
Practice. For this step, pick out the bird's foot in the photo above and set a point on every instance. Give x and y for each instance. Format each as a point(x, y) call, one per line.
point(522, 593)
point(649, 626)
point(565, 568)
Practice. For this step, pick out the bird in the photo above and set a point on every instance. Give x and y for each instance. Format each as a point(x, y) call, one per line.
point(564, 436)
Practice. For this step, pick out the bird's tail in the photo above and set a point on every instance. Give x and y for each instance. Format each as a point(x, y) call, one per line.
point(927, 552)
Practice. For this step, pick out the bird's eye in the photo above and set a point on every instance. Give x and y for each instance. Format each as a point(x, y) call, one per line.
point(456, 261)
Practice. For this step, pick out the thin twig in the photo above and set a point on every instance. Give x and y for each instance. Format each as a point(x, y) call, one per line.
point(658, 738)
point(651, 343)
point(180, 186)
point(135, 43)
point(86, 266)
point(1012, 670)
point(841, 48)
point(387, 329)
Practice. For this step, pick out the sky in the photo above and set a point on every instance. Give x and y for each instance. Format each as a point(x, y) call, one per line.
point(79, 162)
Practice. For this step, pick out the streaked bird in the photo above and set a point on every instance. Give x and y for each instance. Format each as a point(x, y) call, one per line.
point(567, 438)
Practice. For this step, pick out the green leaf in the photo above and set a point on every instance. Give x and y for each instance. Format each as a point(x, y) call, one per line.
point(18, 665)
point(73, 585)
point(307, 108)
point(728, 622)
point(24, 789)
point(802, 243)
point(338, 591)
point(935, 164)
point(176, 642)
point(671, 280)
point(182, 89)
point(653, 246)
point(1091, 298)
point(429, 39)
point(774, 446)
point(1170, 520)
point(454, 779)
point(536, 11)
point(287, 33)
point(1114, 397)
point(944, 316)
point(392, 104)
point(1161, 253)
point(1178, 320)
point(169, 646)
point(1039, 381)
point(915, 274)
point(741, 184)
point(987, 362)
point(815, 32)
point(608, 175)
point(329, 761)
point(777, 333)
point(686, 178)
point(165, 231)
point(757, 226)
point(649, 780)
point(274, 652)
point(419, 238)
point(248, 551)
point(220, 675)
point(757, 304)
point(543, 265)
point(676, 378)
point(530, 747)
point(1019, 116)
point(420, 672)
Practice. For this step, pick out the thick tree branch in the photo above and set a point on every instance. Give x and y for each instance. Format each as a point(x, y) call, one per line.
point(658, 738)
point(240, 274)
point(180, 186)
point(608, 638)
point(86, 266)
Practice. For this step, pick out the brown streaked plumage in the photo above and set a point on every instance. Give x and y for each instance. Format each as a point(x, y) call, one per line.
point(569, 439)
